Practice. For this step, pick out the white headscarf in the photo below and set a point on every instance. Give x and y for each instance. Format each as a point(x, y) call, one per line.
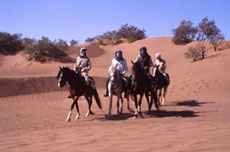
point(158, 55)
point(82, 49)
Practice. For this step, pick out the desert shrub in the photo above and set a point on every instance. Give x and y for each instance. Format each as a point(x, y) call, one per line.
point(74, 43)
point(10, 44)
point(196, 53)
point(93, 39)
point(131, 33)
point(61, 44)
point(184, 33)
point(208, 31)
point(45, 50)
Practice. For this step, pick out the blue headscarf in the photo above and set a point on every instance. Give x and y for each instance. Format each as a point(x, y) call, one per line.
point(145, 51)
point(118, 58)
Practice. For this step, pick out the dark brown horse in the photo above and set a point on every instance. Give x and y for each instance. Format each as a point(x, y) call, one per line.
point(140, 84)
point(162, 81)
point(77, 88)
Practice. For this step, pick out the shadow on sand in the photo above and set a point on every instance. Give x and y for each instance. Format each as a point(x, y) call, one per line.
point(160, 113)
point(116, 117)
point(184, 114)
point(190, 103)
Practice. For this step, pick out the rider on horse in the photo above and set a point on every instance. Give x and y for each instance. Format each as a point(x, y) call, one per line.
point(144, 60)
point(119, 62)
point(161, 65)
point(83, 64)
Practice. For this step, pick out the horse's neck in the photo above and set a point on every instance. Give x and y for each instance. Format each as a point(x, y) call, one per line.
point(117, 77)
point(116, 85)
point(140, 75)
point(159, 75)
point(75, 80)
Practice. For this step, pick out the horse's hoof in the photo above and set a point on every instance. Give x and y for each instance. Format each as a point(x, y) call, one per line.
point(139, 113)
point(92, 113)
point(135, 116)
point(68, 120)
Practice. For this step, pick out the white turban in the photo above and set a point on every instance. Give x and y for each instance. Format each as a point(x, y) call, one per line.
point(158, 55)
point(83, 49)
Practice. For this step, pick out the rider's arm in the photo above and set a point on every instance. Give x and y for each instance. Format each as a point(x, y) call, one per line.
point(125, 67)
point(150, 62)
point(86, 69)
point(76, 64)
point(137, 59)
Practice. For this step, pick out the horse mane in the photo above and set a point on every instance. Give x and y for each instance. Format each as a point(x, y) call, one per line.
point(73, 76)
point(138, 69)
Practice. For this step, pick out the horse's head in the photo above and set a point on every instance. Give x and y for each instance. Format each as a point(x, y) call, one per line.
point(62, 76)
point(136, 69)
point(113, 73)
point(158, 74)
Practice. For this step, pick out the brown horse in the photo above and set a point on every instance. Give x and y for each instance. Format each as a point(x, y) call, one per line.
point(77, 88)
point(140, 84)
point(162, 81)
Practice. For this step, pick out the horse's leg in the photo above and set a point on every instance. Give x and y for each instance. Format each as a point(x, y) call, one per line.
point(78, 112)
point(149, 103)
point(154, 96)
point(71, 109)
point(118, 104)
point(122, 103)
point(160, 96)
point(110, 103)
point(136, 111)
point(139, 104)
point(164, 94)
point(89, 112)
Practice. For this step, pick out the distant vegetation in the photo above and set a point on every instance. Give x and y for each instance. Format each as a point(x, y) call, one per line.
point(196, 53)
point(126, 32)
point(43, 50)
point(10, 44)
point(205, 31)
point(185, 33)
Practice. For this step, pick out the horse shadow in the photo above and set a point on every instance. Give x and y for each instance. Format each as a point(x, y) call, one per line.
point(183, 114)
point(190, 103)
point(116, 117)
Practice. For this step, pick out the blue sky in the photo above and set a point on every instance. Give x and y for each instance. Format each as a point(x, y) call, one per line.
point(80, 19)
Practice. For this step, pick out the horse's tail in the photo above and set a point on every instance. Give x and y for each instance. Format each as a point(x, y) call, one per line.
point(96, 97)
point(168, 78)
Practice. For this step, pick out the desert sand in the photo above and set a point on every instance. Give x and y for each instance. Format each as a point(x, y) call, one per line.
point(196, 116)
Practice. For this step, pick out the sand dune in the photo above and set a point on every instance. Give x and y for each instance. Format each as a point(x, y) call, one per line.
point(196, 116)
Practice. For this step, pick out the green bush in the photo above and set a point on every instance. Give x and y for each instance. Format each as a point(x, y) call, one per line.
point(10, 44)
point(130, 33)
point(45, 50)
point(208, 31)
point(74, 43)
point(185, 33)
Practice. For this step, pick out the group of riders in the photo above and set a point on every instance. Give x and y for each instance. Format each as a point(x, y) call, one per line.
point(83, 65)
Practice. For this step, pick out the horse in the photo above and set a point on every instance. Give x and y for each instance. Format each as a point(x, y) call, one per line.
point(78, 88)
point(141, 84)
point(115, 87)
point(162, 84)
